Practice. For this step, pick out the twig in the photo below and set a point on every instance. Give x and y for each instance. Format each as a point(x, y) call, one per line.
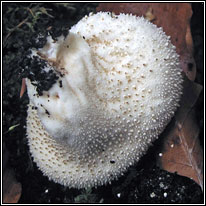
point(30, 10)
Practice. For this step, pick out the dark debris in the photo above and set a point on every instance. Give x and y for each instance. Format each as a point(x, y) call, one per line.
point(34, 69)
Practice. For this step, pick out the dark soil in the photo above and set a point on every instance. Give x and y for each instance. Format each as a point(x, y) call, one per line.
point(142, 183)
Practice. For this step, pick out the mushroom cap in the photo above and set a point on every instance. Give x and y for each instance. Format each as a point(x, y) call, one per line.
point(119, 84)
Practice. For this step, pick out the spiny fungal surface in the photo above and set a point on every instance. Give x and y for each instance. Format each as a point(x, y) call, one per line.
point(116, 83)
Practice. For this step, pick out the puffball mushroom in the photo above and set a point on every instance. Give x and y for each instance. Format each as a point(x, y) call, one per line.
point(116, 85)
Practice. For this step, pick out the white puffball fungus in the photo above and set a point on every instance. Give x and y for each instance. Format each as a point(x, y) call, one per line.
point(120, 86)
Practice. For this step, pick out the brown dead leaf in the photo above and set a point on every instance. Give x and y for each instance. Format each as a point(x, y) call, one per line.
point(174, 18)
point(11, 188)
point(181, 150)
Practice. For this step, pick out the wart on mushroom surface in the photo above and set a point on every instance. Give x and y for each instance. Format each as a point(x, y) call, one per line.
point(120, 87)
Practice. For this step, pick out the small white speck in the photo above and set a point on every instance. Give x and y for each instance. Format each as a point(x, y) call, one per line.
point(160, 154)
point(118, 195)
point(165, 194)
point(152, 195)
point(161, 185)
point(46, 191)
point(172, 145)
